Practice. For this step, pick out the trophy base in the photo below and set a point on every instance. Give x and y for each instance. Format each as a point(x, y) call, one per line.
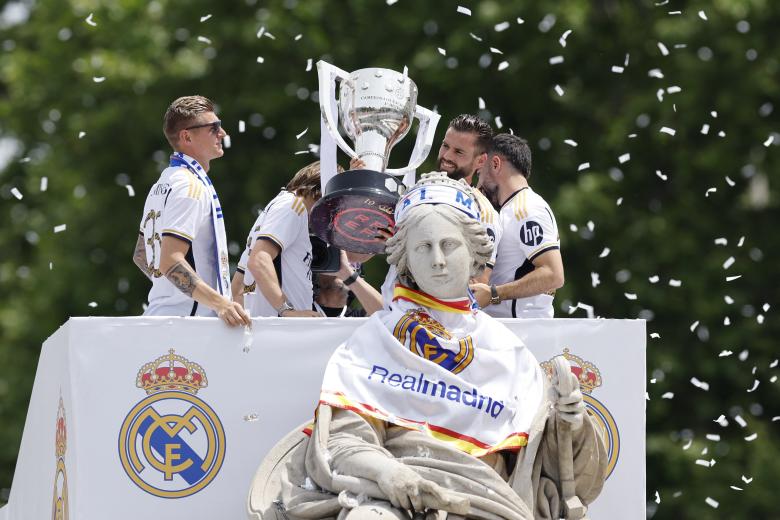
point(355, 205)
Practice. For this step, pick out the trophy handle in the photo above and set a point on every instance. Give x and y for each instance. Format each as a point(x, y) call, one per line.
point(326, 74)
point(422, 146)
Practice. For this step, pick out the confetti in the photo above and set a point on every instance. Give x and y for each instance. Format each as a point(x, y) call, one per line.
point(261, 32)
point(495, 51)
point(729, 262)
point(668, 395)
point(725, 353)
point(674, 13)
point(226, 142)
point(729, 181)
point(624, 158)
point(700, 384)
point(711, 502)
point(558, 90)
point(556, 60)
point(732, 278)
point(688, 444)
point(241, 126)
point(619, 201)
point(92, 304)
point(573, 228)
point(60, 228)
point(735, 488)
point(721, 134)
point(625, 62)
point(766, 308)
point(667, 130)
point(760, 319)
point(705, 129)
point(751, 437)
point(769, 140)
point(204, 18)
point(205, 40)
point(591, 226)
point(741, 241)
point(98, 79)
point(655, 335)
point(442, 51)
point(663, 49)
point(722, 421)
point(82, 135)
point(308, 64)
point(653, 279)
point(464, 10)
point(595, 279)
point(298, 136)
point(503, 65)
point(739, 420)
point(604, 253)
point(674, 89)
point(520, 21)
point(657, 498)
point(661, 175)
point(703, 15)
point(90, 21)
point(752, 389)
point(16, 193)
point(655, 73)
point(675, 283)
point(713, 437)
point(571, 142)
point(705, 463)
point(298, 37)
point(743, 355)
point(252, 417)
point(475, 37)
point(694, 325)
point(726, 321)
point(44, 183)
point(583, 166)
point(562, 39)
point(710, 190)
point(630, 296)
point(498, 122)
point(617, 69)
point(130, 190)
point(481, 103)
point(260, 59)
point(747, 480)
point(721, 241)
point(500, 27)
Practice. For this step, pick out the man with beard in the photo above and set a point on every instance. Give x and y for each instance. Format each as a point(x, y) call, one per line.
point(529, 267)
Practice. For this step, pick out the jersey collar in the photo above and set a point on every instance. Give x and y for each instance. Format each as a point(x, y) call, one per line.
point(512, 196)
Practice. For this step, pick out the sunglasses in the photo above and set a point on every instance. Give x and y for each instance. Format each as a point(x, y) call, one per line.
point(215, 126)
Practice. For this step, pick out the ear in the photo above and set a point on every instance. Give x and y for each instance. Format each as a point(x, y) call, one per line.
point(184, 136)
point(481, 160)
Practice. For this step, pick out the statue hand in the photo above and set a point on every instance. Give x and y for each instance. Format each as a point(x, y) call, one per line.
point(408, 490)
point(569, 403)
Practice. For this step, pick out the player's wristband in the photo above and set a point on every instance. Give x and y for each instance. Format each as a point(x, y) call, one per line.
point(351, 278)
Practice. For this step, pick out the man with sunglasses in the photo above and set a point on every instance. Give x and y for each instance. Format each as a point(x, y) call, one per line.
point(181, 246)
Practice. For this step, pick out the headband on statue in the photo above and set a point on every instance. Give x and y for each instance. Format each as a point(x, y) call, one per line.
point(437, 188)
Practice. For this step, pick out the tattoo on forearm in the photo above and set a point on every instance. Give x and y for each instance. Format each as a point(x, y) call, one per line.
point(139, 257)
point(183, 278)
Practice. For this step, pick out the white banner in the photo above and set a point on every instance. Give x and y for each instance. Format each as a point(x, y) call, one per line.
point(170, 417)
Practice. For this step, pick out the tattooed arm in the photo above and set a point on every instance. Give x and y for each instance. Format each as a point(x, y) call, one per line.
point(179, 272)
point(139, 257)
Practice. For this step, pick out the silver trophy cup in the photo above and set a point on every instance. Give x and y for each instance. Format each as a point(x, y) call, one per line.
point(376, 108)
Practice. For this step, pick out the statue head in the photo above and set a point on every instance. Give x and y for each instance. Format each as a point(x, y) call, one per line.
point(439, 242)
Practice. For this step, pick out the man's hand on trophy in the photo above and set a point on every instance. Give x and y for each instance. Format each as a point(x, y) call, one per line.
point(569, 403)
point(356, 163)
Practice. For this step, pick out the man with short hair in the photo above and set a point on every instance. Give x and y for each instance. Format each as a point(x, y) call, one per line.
point(529, 267)
point(181, 245)
point(463, 150)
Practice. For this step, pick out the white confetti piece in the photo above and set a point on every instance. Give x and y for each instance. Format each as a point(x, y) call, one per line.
point(298, 136)
point(772, 380)
point(497, 121)
point(703, 15)
point(562, 39)
point(308, 64)
point(756, 382)
point(687, 444)
point(725, 353)
point(520, 21)
point(732, 278)
point(655, 335)
point(495, 51)
point(760, 319)
point(98, 79)
point(710, 190)
point(700, 384)
point(617, 69)
point(769, 140)
point(44, 183)
point(751, 437)
point(766, 308)
point(226, 142)
point(703, 462)
point(630, 296)
point(721, 241)
point(82, 135)
point(500, 27)
point(625, 62)
point(503, 65)
point(60, 228)
point(705, 129)
point(604, 253)
point(675, 283)
point(722, 421)
point(205, 40)
point(721, 134)
point(261, 32)
point(556, 60)
point(92, 304)
point(674, 89)
point(655, 73)
point(619, 201)
point(739, 420)
point(663, 49)
point(712, 502)
point(667, 130)
point(16, 193)
point(735, 488)
point(713, 437)
point(595, 279)
point(298, 37)
point(481, 103)
point(694, 325)
point(741, 241)
point(591, 226)
point(726, 321)
point(674, 13)
point(747, 480)
point(130, 190)
point(653, 279)
point(260, 59)
point(464, 10)
point(624, 158)
point(475, 37)
point(729, 262)
point(573, 228)
point(668, 395)
point(729, 181)
point(241, 126)
point(657, 498)
point(442, 51)
point(391, 2)
point(571, 142)
point(743, 355)
point(90, 21)
point(558, 90)
point(204, 18)
point(583, 166)
point(661, 175)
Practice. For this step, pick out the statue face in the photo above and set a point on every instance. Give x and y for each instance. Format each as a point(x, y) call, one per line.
point(438, 257)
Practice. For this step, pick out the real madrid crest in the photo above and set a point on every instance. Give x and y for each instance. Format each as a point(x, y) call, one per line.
point(423, 335)
point(590, 378)
point(172, 444)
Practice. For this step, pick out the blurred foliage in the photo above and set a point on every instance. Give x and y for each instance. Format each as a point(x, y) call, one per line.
point(94, 140)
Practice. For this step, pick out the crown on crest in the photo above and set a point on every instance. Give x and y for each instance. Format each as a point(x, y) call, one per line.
point(61, 435)
point(171, 372)
point(586, 372)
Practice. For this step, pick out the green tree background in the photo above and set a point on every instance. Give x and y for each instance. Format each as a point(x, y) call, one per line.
point(647, 228)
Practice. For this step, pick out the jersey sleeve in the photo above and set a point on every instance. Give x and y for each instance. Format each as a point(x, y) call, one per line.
point(282, 222)
point(538, 232)
point(185, 207)
point(497, 231)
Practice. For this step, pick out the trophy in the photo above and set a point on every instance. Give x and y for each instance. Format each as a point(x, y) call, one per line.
point(376, 108)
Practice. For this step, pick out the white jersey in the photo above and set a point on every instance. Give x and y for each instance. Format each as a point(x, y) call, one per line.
point(179, 205)
point(529, 229)
point(285, 222)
